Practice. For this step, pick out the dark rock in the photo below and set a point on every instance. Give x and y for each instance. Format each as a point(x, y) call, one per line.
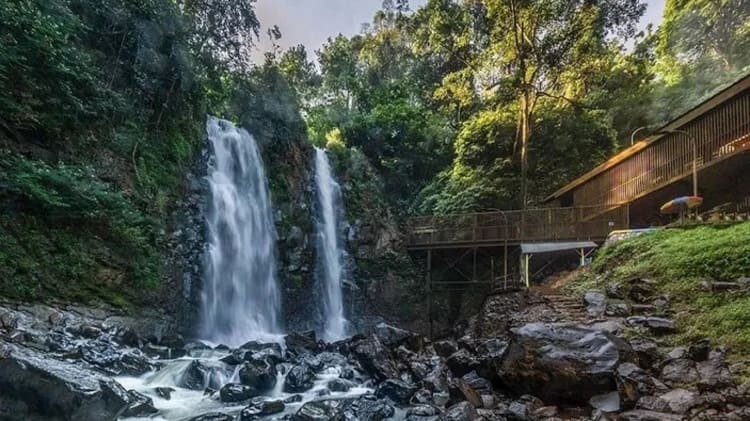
point(375, 358)
point(213, 416)
point(477, 382)
point(57, 390)
point(445, 348)
point(259, 374)
point(421, 396)
point(615, 290)
point(463, 411)
point(272, 351)
point(632, 383)
point(617, 309)
point(323, 410)
point(680, 401)
point(562, 362)
point(657, 325)
point(398, 391)
point(293, 399)
point(596, 303)
point(306, 340)
point(340, 385)
point(271, 407)
point(644, 415)
point(393, 337)
point(232, 392)
point(140, 405)
point(196, 346)
point(174, 341)
point(367, 408)
point(462, 362)
point(422, 411)
point(699, 351)
point(299, 379)
point(202, 374)
point(680, 371)
point(469, 393)
point(608, 402)
point(164, 392)
point(640, 289)
point(127, 337)
point(646, 352)
point(713, 372)
point(236, 357)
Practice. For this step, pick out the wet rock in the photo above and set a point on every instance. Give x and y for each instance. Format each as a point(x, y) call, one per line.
point(375, 358)
point(299, 379)
point(236, 357)
point(477, 382)
point(232, 392)
point(445, 348)
point(140, 405)
point(271, 407)
point(562, 362)
point(523, 408)
point(293, 399)
point(489, 355)
point(680, 371)
point(272, 351)
point(393, 337)
point(462, 362)
point(306, 340)
point(57, 390)
point(470, 394)
point(421, 397)
point(164, 392)
point(608, 402)
point(396, 390)
point(657, 325)
point(174, 341)
point(596, 303)
point(645, 415)
point(340, 385)
point(463, 411)
point(323, 410)
point(213, 416)
point(441, 398)
point(680, 401)
point(367, 408)
point(259, 374)
point(202, 374)
point(632, 383)
point(422, 411)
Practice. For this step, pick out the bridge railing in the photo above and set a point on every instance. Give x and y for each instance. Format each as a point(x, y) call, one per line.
point(531, 225)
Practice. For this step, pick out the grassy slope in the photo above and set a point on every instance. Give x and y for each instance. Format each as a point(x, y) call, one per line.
point(680, 259)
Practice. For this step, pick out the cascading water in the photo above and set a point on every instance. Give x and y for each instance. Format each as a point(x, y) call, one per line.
point(329, 247)
point(240, 298)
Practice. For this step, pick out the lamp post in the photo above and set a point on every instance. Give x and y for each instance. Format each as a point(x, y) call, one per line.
point(695, 156)
point(632, 136)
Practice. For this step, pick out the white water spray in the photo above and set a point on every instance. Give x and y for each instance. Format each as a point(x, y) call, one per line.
point(240, 295)
point(329, 248)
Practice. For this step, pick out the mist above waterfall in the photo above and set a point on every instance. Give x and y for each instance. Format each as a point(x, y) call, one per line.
point(330, 250)
point(240, 299)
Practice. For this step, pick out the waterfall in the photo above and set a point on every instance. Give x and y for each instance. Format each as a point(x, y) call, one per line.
point(240, 298)
point(330, 251)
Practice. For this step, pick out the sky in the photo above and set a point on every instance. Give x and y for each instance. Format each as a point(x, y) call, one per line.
point(312, 22)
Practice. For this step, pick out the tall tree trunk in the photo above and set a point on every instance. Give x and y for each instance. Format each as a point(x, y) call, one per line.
point(525, 123)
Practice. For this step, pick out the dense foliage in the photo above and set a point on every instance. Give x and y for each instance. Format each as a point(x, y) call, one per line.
point(481, 104)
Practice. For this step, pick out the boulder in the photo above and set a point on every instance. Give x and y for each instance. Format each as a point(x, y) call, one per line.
point(680, 401)
point(393, 337)
point(57, 390)
point(164, 392)
point(367, 408)
point(233, 392)
point(375, 358)
point(463, 411)
point(271, 407)
point(633, 382)
point(657, 325)
point(646, 352)
point(201, 374)
point(713, 372)
point(299, 379)
point(462, 362)
point(260, 374)
point(398, 391)
point(340, 385)
point(445, 348)
point(323, 410)
point(306, 340)
point(258, 350)
point(562, 363)
point(608, 402)
point(596, 303)
point(140, 405)
point(680, 371)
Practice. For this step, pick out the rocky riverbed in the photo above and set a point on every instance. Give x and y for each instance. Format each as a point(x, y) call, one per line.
point(518, 359)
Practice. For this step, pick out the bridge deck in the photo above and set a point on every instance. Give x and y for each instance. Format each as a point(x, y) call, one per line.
point(502, 228)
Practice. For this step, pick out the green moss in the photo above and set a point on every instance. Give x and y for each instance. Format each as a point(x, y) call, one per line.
point(679, 260)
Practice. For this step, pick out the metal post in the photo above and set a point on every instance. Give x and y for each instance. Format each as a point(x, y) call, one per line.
point(526, 269)
point(429, 291)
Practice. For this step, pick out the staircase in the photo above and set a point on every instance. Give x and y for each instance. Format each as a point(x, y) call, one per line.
point(569, 307)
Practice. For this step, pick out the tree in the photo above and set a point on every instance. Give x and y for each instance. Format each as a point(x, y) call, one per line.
point(537, 46)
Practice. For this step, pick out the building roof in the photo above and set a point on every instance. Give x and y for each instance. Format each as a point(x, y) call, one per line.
point(697, 111)
point(533, 248)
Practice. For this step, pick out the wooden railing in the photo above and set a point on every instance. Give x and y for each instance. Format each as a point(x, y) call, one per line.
point(531, 225)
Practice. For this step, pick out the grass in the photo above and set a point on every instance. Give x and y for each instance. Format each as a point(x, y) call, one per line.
point(679, 260)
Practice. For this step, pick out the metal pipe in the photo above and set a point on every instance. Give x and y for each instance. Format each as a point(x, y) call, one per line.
point(632, 135)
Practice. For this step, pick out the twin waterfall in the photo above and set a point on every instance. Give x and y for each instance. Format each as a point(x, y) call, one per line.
point(241, 299)
point(330, 253)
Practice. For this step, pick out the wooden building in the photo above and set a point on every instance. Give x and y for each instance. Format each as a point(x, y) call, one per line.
point(714, 135)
